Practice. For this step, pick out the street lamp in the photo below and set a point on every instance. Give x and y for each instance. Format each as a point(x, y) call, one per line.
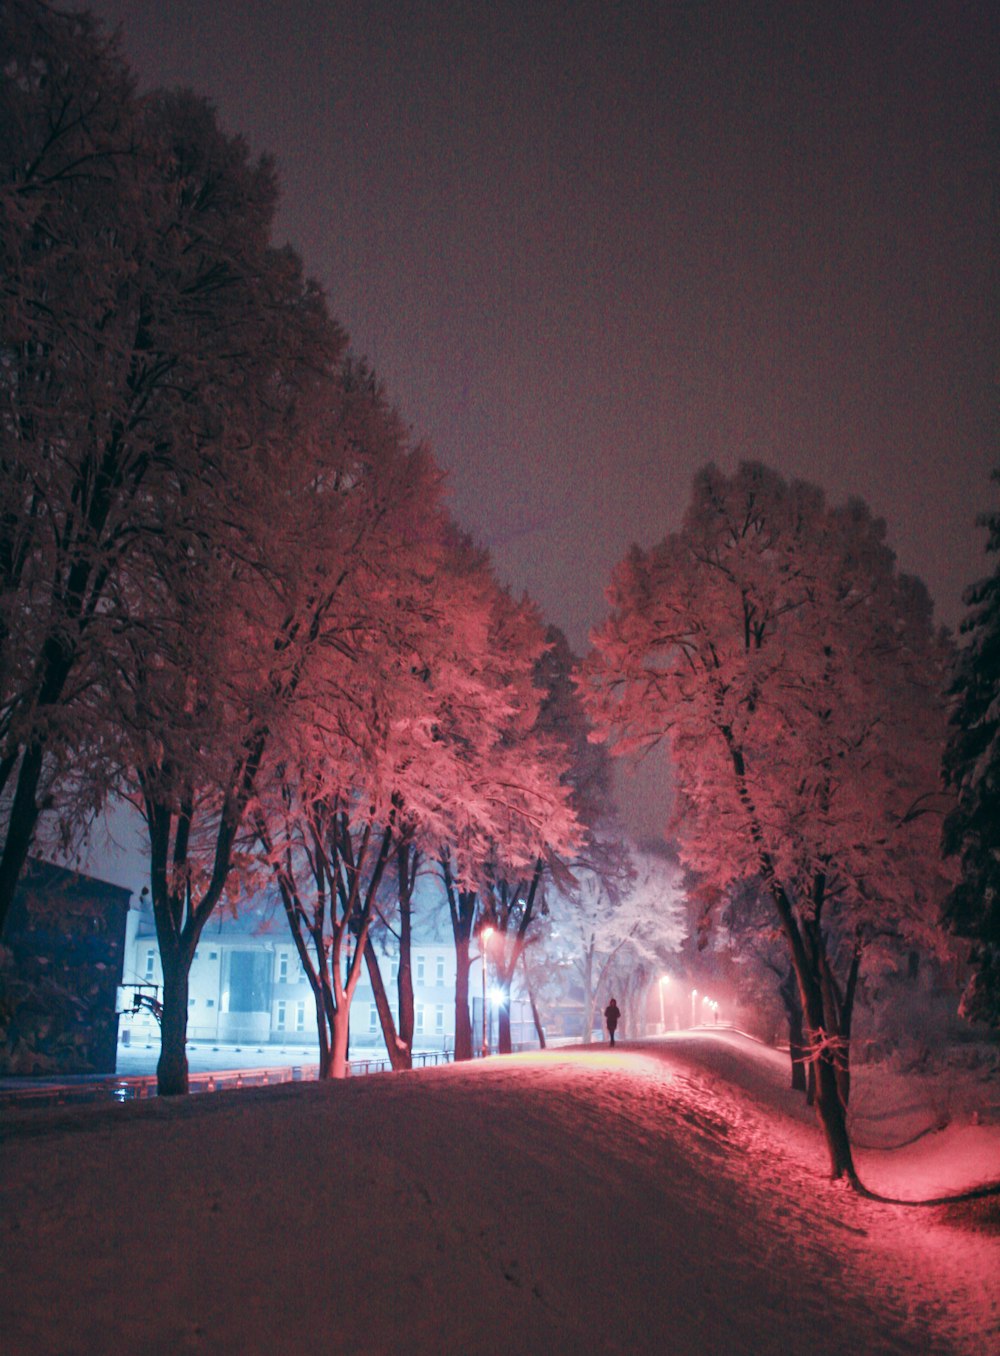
point(664, 979)
point(694, 1007)
point(484, 941)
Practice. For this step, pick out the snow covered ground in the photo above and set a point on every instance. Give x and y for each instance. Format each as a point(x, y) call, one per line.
point(663, 1197)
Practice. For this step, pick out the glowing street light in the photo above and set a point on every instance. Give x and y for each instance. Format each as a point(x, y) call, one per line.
point(484, 941)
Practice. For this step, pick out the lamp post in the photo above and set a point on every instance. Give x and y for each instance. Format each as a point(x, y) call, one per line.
point(484, 941)
point(694, 1007)
point(664, 979)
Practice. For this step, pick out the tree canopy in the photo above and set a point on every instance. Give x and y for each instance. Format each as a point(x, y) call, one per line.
point(228, 589)
point(796, 675)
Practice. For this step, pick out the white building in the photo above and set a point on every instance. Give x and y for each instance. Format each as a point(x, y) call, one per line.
point(247, 986)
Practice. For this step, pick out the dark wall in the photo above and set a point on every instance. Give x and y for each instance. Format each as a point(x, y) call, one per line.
point(59, 972)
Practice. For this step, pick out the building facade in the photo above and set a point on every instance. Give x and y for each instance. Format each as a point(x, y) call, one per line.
point(247, 986)
point(62, 954)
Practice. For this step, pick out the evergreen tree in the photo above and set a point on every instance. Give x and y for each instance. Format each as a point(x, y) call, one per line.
point(972, 770)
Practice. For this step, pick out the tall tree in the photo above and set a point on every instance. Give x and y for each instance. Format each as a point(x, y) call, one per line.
point(454, 707)
point(763, 978)
point(796, 675)
point(329, 868)
point(533, 822)
point(272, 652)
point(71, 388)
point(514, 904)
point(145, 317)
point(225, 593)
point(339, 804)
point(483, 776)
point(972, 771)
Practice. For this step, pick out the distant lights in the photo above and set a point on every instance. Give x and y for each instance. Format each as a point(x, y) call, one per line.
point(706, 1002)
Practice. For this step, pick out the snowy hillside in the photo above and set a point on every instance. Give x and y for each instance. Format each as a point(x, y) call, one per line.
point(664, 1197)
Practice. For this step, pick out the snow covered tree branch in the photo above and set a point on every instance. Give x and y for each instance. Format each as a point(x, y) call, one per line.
point(797, 677)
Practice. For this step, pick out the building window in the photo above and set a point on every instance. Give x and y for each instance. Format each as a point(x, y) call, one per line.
point(249, 981)
point(300, 1016)
point(420, 1019)
point(280, 1019)
point(372, 1019)
point(150, 962)
point(439, 1019)
point(191, 1002)
point(283, 968)
point(440, 970)
point(420, 969)
point(213, 955)
point(394, 968)
point(210, 1002)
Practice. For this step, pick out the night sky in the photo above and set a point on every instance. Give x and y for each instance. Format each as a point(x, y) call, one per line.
point(589, 246)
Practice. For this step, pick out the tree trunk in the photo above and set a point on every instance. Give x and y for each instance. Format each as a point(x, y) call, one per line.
point(321, 983)
point(833, 1118)
point(508, 966)
point(797, 1051)
point(338, 1044)
point(462, 908)
point(323, 1032)
point(352, 926)
point(404, 979)
point(399, 1057)
point(846, 1021)
point(589, 997)
point(24, 808)
point(172, 1066)
point(21, 825)
point(796, 1040)
point(806, 955)
point(539, 1029)
point(504, 1044)
point(178, 928)
point(463, 1022)
point(824, 1058)
point(504, 983)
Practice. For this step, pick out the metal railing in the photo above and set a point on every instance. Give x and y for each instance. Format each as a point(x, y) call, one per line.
point(134, 1087)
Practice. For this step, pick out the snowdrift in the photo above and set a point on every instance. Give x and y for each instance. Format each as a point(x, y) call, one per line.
point(664, 1197)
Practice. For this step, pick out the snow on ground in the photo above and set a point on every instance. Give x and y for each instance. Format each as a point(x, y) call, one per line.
point(662, 1197)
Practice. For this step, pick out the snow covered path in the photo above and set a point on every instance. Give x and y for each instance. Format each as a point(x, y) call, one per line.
point(659, 1198)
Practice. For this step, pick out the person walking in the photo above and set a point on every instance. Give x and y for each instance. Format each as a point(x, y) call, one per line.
point(611, 1016)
